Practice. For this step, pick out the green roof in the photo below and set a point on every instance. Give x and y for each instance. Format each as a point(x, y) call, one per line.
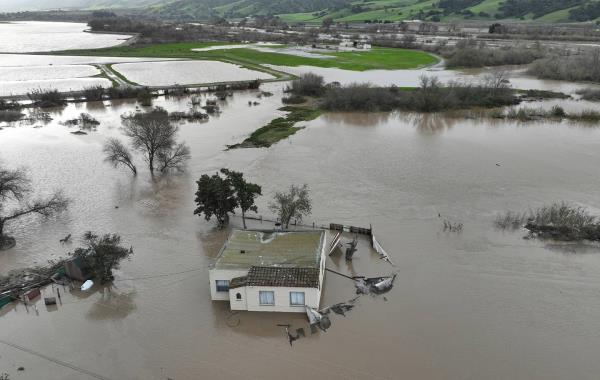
point(248, 248)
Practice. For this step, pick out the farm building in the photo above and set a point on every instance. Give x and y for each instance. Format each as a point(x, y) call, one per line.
point(270, 270)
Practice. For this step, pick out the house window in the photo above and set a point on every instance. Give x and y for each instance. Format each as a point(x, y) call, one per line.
point(266, 297)
point(222, 285)
point(238, 296)
point(297, 299)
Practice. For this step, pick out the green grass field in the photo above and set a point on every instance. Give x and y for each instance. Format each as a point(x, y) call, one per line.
point(376, 58)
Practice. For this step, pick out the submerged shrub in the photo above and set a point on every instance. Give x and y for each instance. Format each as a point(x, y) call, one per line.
point(308, 84)
point(47, 98)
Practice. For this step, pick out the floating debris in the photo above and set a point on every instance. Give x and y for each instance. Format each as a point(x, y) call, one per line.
point(351, 249)
point(379, 249)
point(87, 285)
point(374, 285)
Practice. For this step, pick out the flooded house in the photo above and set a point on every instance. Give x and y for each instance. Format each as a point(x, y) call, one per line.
point(260, 270)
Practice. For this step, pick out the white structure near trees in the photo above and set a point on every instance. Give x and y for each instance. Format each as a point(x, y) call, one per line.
point(260, 270)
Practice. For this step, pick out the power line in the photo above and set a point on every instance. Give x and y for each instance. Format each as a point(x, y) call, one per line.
point(56, 361)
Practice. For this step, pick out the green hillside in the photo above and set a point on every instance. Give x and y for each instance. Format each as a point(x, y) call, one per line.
point(315, 11)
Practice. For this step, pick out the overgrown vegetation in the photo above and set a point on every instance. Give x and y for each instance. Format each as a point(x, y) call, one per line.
point(472, 53)
point(580, 67)
point(559, 221)
point(591, 94)
point(10, 115)
point(47, 98)
point(102, 254)
point(278, 129)
point(431, 96)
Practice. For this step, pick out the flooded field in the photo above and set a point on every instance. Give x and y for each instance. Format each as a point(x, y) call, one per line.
point(32, 36)
point(480, 304)
point(411, 78)
point(186, 72)
point(21, 73)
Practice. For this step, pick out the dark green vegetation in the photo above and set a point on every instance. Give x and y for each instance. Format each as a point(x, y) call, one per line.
point(16, 201)
point(376, 58)
point(102, 254)
point(219, 195)
point(278, 129)
point(559, 221)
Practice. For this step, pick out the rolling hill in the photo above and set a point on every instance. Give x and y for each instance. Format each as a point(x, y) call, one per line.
point(314, 11)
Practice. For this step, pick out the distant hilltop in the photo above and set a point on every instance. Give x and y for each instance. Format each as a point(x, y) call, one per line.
point(316, 11)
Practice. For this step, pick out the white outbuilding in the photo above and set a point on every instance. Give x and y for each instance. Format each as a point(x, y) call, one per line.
point(260, 270)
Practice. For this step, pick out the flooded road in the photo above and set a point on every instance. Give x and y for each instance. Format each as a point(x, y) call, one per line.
point(480, 304)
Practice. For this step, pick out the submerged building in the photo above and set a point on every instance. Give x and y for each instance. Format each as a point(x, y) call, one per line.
point(270, 270)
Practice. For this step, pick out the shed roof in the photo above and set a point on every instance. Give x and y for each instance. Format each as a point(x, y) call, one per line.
point(248, 248)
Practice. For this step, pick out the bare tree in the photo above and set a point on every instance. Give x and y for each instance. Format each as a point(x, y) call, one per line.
point(118, 154)
point(153, 134)
point(175, 158)
point(14, 188)
point(295, 204)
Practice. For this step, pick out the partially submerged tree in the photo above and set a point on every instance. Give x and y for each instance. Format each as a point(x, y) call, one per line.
point(215, 196)
point(175, 158)
point(245, 192)
point(14, 190)
point(153, 134)
point(102, 254)
point(117, 154)
point(295, 204)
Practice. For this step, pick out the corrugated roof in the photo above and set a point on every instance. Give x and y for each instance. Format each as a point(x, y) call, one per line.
point(287, 277)
point(247, 248)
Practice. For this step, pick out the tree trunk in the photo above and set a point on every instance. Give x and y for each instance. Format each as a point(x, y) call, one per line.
point(1, 228)
point(244, 218)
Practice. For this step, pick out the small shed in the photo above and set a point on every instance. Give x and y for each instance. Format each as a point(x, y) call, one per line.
point(77, 270)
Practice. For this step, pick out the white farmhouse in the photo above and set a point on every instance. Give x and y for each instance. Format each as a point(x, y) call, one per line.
point(270, 270)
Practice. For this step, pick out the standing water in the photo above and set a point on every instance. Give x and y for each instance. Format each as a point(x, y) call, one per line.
point(482, 304)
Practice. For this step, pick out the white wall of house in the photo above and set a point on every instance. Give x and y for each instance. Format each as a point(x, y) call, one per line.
point(312, 298)
point(235, 302)
point(222, 274)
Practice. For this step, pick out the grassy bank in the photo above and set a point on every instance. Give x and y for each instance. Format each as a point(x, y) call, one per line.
point(376, 58)
point(278, 129)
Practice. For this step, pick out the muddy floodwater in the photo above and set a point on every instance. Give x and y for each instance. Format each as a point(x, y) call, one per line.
point(35, 36)
point(480, 304)
point(186, 72)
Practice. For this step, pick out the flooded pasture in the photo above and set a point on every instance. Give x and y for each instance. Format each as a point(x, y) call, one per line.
point(480, 304)
point(516, 75)
point(34, 36)
point(186, 72)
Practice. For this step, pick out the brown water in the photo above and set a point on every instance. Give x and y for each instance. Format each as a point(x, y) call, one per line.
point(482, 304)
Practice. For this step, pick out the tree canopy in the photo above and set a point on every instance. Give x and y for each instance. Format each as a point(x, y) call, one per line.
point(293, 204)
point(215, 197)
point(245, 192)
